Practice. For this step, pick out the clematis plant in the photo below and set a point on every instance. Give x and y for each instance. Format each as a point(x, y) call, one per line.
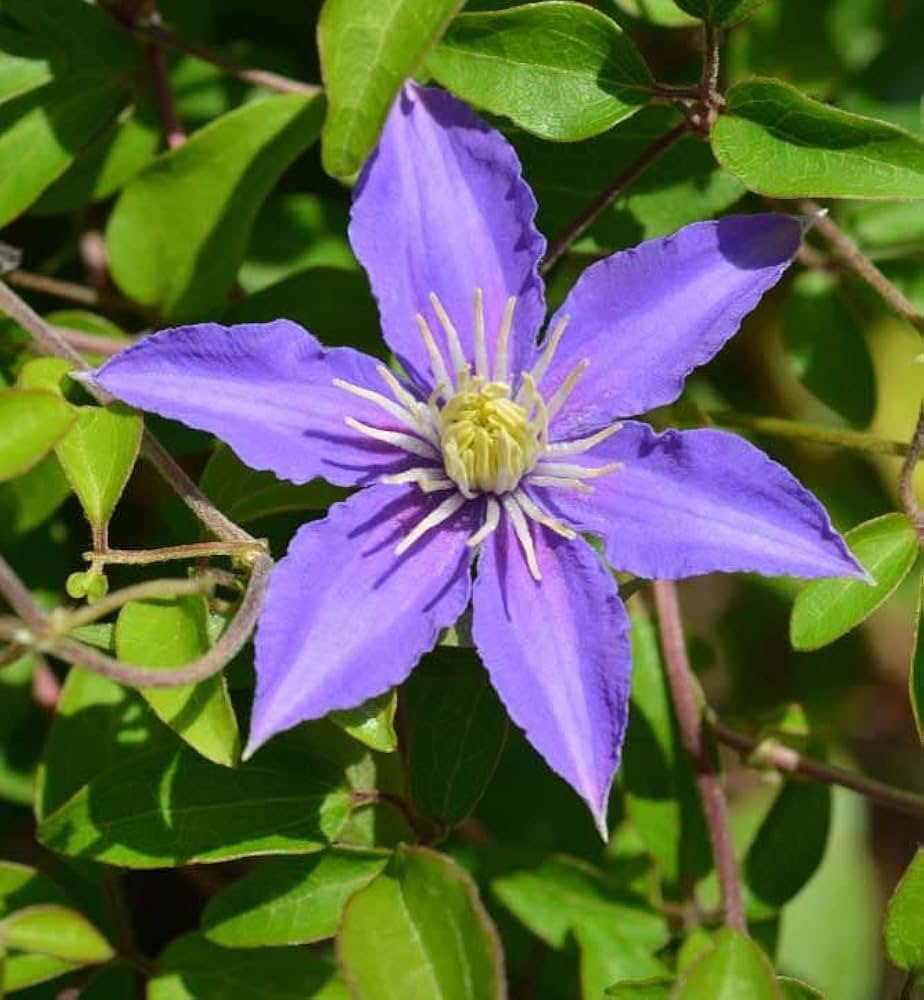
point(489, 450)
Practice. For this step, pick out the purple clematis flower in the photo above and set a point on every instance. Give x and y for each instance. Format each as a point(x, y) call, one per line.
point(491, 447)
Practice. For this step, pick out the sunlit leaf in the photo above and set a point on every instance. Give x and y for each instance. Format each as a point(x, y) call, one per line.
point(735, 968)
point(904, 927)
point(51, 929)
point(825, 609)
point(372, 722)
point(32, 422)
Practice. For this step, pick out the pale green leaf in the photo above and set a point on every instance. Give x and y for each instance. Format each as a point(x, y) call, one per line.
point(654, 988)
point(560, 70)
point(97, 455)
point(665, 13)
point(419, 931)
point(32, 421)
point(904, 926)
point(722, 13)
point(289, 901)
point(886, 547)
point(916, 671)
point(372, 723)
point(781, 143)
point(172, 634)
point(735, 968)
point(368, 49)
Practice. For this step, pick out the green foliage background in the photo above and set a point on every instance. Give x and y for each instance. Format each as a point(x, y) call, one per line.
point(417, 848)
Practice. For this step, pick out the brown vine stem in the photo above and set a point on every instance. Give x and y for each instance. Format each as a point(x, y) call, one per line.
point(579, 226)
point(63, 621)
point(693, 736)
point(19, 599)
point(174, 133)
point(851, 255)
point(92, 343)
point(161, 35)
point(783, 758)
point(71, 291)
point(906, 479)
point(198, 550)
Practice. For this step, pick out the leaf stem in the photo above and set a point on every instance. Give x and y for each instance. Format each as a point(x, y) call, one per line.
point(802, 431)
point(785, 759)
point(64, 621)
point(604, 199)
point(851, 255)
point(169, 553)
point(174, 133)
point(906, 478)
point(693, 736)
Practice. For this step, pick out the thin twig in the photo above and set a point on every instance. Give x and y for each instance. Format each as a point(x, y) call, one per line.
point(81, 295)
point(906, 479)
point(801, 431)
point(693, 735)
point(160, 35)
point(174, 133)
point(603, 200)
point(170, 553)
point(851, 255)
point(213, 662)
point(64, 621)
point(783, 758)
point(19, 598)
point(92, 343)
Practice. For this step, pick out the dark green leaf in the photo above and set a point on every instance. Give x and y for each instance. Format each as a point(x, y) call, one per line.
point(560, 70)
point(21, 731)
point(55, 930)
point(22, 886)
point(781, 143)
point(457, 730)
point(420, 930)
point(172, 634)
point(97, 455)
point(827, 347)
point(195, 969)
point(734, 969)
point(172, 807)
point(31, 499)
point(244, 494)
point(368, 49)
point(662, 799)
point(179, 230)
point(789, 844)
point(720, 12)
point(904, 927)
point(33, 421)
point(289, 901)
point(825, 609)
point(24, 64)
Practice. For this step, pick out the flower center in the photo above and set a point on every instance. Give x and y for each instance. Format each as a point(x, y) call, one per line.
point(487, 439)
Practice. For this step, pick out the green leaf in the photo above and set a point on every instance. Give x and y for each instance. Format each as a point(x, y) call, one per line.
point(97, 455)
point(735, 968)
point(662, 799)
point(22, 886)
point(781, 143)
point(179, 230)
point(174, 633)
point(21, 731)
point(655, 988)
point(172, 807)
point(244, 494)
point(98, 724)
point(457, 729)
point(51, 929)
point(827, 347)
point(372, 723)
point(722, 13)
point(683, 185)
point(904, 926)
point(789, 844)
point(44, 373)
point(24, 64)
point(560, 70)
point(192, 968)
point(42, 131)
point(555, 895)
point(33, 421)
point(22, 971)
point(31, 499)
point(419, 931)
point(608, 954)
point(368, 49)
point(916, 672)
point(289, 901)
point(824, 610)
